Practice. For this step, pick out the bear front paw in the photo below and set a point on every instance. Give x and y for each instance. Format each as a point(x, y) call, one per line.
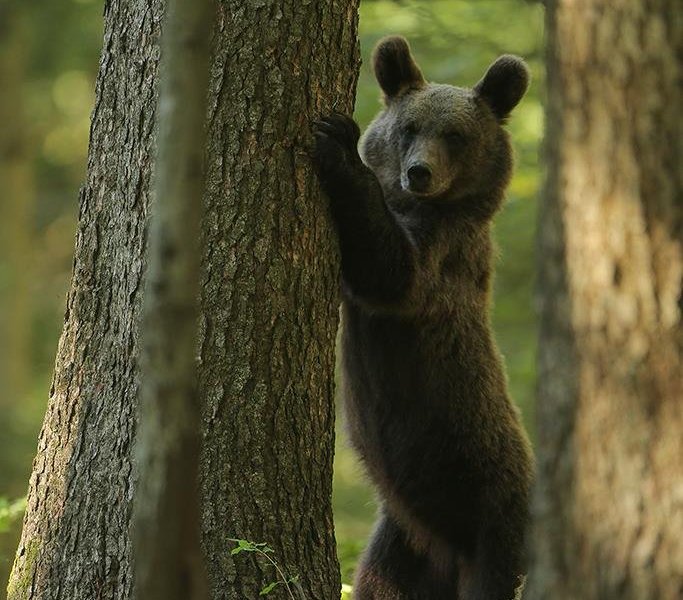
point(336, 153)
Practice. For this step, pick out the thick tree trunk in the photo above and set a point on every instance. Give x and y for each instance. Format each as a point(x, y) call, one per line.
point(75, 543)
point(268, 311)
point(168, 561)
point(609, 508)
point(269, 301)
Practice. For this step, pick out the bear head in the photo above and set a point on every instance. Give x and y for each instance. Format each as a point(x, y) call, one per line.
point(440, 142)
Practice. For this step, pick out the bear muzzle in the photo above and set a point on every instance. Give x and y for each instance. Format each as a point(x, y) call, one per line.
point(419, 177)
point(422, 180)
point(425, 167)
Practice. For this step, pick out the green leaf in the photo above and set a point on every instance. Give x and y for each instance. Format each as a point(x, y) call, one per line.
point(269, 588)
point(245, 546)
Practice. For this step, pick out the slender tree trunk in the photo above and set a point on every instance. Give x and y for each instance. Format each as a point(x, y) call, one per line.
point(267, 317)
point(75, 543)
point(168, 561)
point(269, 301)
point(609, 510)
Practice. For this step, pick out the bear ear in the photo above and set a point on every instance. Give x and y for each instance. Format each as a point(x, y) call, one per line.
point(395, 69)
point(504, 84)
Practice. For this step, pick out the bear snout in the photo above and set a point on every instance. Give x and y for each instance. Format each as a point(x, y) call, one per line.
point(419, 177)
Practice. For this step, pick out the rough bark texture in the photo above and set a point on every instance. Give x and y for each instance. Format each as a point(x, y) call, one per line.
point(168, 561)
point(269, 311)
point(609, 507)
point(269, 301)
point(75, 542)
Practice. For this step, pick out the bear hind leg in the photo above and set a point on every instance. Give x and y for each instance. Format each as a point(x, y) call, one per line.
point(496, 571)
point(392, 570)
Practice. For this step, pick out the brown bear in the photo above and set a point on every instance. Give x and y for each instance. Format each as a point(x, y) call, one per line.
point(424, 386)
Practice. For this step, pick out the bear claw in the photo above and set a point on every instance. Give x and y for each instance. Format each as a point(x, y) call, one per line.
point(336, 139)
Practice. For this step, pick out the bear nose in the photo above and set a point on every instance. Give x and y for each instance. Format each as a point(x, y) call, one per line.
point(419, 176)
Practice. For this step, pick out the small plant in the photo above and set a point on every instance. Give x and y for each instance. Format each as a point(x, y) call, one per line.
point(262, 549)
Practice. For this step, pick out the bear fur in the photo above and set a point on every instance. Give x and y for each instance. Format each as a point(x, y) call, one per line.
point(424, 386)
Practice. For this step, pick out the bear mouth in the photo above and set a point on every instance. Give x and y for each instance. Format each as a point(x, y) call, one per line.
point(431, 192)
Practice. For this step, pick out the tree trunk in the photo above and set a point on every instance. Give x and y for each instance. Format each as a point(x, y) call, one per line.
point(269, 300)
point(609, 507)
point(75, 543)
point(267, 321)
point(168, 561)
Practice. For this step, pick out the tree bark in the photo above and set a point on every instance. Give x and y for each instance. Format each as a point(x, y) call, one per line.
point(269, 294)
point(609, 508)
point(268, 311)
point(75, 543)
point(168, 561)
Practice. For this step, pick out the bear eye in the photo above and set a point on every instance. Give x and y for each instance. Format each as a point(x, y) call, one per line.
point(456, 137)
point(409, 130)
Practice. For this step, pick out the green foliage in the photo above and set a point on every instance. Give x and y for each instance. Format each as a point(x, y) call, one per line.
point(349, 550)
point(247, 546)
point(10, 511)
point(262, 549)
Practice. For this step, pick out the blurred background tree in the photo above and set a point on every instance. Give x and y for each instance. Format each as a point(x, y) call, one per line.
point(609, 501)
point(48, 62)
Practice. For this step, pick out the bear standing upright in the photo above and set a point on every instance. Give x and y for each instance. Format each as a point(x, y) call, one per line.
point(424, 387)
